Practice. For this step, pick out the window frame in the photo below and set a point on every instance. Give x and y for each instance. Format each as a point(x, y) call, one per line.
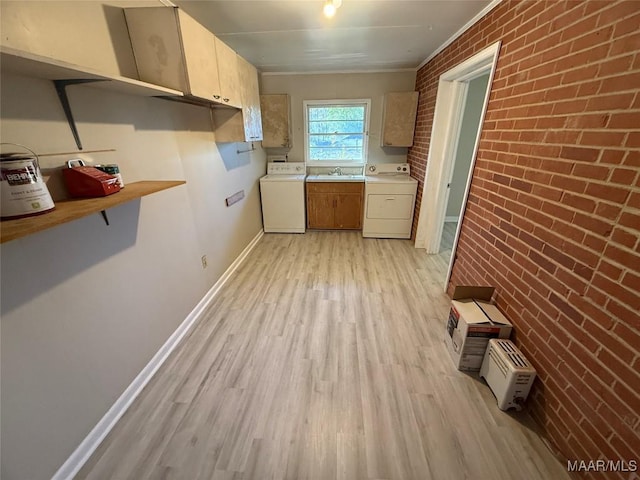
point(337, 102)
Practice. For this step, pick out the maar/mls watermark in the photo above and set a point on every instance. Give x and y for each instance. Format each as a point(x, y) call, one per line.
point(602, 465)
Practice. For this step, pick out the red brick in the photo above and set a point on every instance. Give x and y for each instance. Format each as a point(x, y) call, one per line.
point(592, 120)
point(617, 11)
point(593, 435)
point(631, 280)
point(607, 103)
point(628, 335)
point(631, 299)
point(630, 398)
point(577, 201)
point(632, 158)
point(592, 367)
point(624, 451)
point(594, 243)
point(580, 153)
point(620, 83)
point(606, 210)
point(623, 176)
point(607, 192)
point(614, 67)
point(620, 368)
point(557, 166)
point(565, 108)
point(631, 220)
point(624, 238)
point(624, 120)
point(609, 270)
point(558, 211)
point(568, 183)
point(568, 231)
point(629, 43)
point(621, 256)
point(560, 257)
point(592, 224)
point(612, 156)
point(623, 313)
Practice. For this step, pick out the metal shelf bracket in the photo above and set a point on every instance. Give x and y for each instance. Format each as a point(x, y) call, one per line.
point(61, 90)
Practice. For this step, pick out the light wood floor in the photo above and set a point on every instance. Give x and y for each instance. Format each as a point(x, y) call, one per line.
point(322, 358)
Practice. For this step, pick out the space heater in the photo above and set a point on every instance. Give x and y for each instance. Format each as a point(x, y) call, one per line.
point(508, 373)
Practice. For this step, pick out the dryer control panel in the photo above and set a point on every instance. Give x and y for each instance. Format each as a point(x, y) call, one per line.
point(293, 168)
point(388, 169)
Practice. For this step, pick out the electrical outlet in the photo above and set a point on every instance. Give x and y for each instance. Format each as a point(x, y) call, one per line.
point(204, 261)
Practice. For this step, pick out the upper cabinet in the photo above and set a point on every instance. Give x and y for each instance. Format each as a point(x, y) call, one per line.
point(228, 74)
point(173, 50)
point(246, 125)
point(399, 119)
point(276, 125)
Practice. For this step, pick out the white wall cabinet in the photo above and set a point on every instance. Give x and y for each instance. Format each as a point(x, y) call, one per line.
point(173, 50)
point(246, 125)
point(399, 119)
point(276, 121)
point(227, 60)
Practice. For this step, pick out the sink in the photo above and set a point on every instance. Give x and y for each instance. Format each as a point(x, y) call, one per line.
point(335, 178)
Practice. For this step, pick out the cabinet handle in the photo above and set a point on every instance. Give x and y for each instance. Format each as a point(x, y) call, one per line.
point(390, 198)
point(226, 99)
point(217, 97)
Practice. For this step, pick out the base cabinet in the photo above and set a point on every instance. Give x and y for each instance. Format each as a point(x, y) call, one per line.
point(334, 205)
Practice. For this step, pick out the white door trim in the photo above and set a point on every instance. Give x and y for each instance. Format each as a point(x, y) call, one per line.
point(444, 137)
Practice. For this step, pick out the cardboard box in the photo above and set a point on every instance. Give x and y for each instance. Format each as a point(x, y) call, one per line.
point(473, 320)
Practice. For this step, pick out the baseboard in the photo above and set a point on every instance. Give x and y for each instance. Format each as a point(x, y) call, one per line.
point(91, 442)
point(450, 219)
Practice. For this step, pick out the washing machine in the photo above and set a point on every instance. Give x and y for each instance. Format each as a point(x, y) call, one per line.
point(389, 200)
point(282, 195)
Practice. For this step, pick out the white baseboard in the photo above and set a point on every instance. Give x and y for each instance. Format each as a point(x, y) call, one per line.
point(450, 219)
point(91, 442)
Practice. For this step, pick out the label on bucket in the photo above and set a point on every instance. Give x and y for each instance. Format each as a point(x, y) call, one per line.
point(22, 189)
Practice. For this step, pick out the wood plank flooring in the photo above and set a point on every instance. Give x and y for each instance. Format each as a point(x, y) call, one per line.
point(322, 358)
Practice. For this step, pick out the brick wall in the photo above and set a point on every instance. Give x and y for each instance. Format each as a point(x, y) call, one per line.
point(553, 217)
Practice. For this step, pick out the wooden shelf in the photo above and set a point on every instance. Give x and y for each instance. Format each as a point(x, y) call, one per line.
point(32, 65)
point(73, 209)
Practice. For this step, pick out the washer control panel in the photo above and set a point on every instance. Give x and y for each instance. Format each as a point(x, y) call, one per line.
point(388, 169)
point(281, 168)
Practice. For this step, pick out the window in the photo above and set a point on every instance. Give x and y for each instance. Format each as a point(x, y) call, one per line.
point(336, 131)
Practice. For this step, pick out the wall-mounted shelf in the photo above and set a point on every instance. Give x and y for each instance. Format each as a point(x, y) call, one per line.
point(73, 209)
point(64, 74)
point(38, 66)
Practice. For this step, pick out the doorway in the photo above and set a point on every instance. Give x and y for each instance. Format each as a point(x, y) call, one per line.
point(452, 137)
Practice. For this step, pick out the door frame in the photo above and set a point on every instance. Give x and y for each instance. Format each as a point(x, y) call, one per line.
point(447, 120)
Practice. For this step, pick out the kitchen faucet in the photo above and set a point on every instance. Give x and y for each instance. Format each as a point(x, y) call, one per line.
point(336, 171)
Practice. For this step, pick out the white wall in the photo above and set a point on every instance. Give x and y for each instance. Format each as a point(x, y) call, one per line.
point(464, 153)
point(84, 305)
point(341, 86)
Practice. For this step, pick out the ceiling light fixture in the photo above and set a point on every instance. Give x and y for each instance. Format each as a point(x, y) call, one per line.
point(330, 7)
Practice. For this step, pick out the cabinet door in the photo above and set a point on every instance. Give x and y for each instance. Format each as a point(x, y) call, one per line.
point(399, 119)
point(320, 208)
point(157, 47)
point(275, 121)
point(200, 58)
point(348, 211)
point(251, 112)
point(171, 49)
point(228, 74)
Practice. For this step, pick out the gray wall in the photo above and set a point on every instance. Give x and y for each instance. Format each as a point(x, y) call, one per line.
point(84, 307)
point(302, 87)
point(468, 132)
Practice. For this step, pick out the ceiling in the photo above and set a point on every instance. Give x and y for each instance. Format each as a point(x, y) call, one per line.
point(365, 35)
